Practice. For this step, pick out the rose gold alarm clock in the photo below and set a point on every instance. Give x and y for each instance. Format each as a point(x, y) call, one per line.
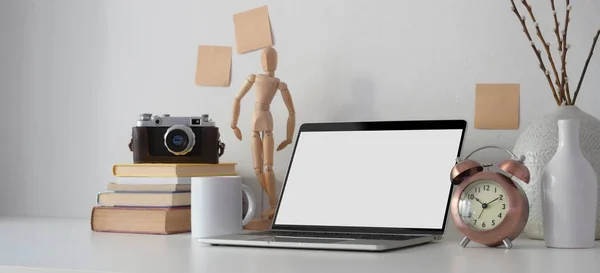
point(489, 207)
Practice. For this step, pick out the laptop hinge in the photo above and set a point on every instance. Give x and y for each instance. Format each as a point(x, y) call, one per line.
point(436, 236)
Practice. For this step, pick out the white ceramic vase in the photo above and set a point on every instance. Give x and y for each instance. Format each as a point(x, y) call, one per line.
point(539, 142)
point(569, 193)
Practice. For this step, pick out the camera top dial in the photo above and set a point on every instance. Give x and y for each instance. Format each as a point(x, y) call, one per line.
point(148, 120)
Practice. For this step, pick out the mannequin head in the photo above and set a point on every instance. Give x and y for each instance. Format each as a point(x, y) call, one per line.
point(269, 60)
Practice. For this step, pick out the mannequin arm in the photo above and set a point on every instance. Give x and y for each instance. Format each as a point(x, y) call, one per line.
point(291, 122)
point(236, 105)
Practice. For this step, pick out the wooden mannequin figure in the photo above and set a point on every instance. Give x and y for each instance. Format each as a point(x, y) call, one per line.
point(262, 126)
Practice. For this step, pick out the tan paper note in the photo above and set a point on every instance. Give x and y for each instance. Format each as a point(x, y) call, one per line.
point(252, 29)
point(497, 106)
point(213, 67)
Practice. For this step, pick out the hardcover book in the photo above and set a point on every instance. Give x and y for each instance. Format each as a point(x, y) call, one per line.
point(144, 199)
point(141, 220)
point(173, 170)
point(132, 180)
point(117, 187)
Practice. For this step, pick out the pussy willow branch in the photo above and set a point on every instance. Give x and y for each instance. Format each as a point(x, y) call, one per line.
point(547, 48)
point(587, 62)
point(565, 46)
point(556, 26)
point(537, 52)
point(569, 100)
point(560, 48)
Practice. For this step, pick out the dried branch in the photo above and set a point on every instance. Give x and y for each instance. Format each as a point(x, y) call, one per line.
point(537, 52)
point(564, 69)
point(569, 100)
point(565, 47)
point(587, 62)
point(556, 28)
point(560, 48)
point(547, 48)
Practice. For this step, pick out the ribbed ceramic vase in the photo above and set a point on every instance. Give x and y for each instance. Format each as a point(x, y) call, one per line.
point(538, 143)
point(569, 193)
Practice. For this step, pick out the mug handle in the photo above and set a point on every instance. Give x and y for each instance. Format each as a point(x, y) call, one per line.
point(251, 204)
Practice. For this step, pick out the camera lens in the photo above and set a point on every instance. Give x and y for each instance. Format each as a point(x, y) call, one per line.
point(179, 139)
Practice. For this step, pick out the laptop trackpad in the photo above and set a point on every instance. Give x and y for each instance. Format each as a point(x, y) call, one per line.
point(298, 239)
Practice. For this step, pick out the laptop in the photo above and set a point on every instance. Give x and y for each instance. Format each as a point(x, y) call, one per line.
point(365, 186)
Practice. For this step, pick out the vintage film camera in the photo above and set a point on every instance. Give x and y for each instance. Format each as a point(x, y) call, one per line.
point(166, 139)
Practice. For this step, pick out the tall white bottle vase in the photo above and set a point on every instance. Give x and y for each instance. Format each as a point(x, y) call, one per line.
point(569, 193)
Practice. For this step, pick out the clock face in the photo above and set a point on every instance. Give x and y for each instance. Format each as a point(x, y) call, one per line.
point(483, 205)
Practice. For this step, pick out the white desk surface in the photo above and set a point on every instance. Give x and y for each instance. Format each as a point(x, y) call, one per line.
point(68, 245)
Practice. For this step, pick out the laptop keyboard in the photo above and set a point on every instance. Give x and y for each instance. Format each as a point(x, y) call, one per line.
point(337, 235)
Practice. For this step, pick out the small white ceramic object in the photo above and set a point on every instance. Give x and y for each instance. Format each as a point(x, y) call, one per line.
point(569, 193)
point(217, 205)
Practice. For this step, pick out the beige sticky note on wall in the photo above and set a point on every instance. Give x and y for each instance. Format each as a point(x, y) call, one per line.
point(252, 29)
point(497, 106)
point(213, 66)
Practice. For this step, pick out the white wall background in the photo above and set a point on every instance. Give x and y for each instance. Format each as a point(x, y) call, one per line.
point(74, 75)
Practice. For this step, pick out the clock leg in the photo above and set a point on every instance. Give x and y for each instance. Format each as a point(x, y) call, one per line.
point(464, 242)
point(507, 243)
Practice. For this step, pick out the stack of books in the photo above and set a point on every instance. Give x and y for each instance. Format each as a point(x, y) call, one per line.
point(151, 198)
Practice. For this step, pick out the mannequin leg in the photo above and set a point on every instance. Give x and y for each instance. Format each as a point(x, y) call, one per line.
point(268, 147)
point(257, 158)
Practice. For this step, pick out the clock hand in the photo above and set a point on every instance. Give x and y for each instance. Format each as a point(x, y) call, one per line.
point(483, 205)
point(480, 214)
point(493, 200)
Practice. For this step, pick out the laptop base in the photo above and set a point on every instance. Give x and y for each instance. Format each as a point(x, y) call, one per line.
point(321, 243)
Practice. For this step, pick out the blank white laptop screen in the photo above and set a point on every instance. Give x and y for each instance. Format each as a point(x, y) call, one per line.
point(391, 179)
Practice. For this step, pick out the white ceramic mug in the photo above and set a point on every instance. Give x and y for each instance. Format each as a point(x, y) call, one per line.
point(217, 205)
